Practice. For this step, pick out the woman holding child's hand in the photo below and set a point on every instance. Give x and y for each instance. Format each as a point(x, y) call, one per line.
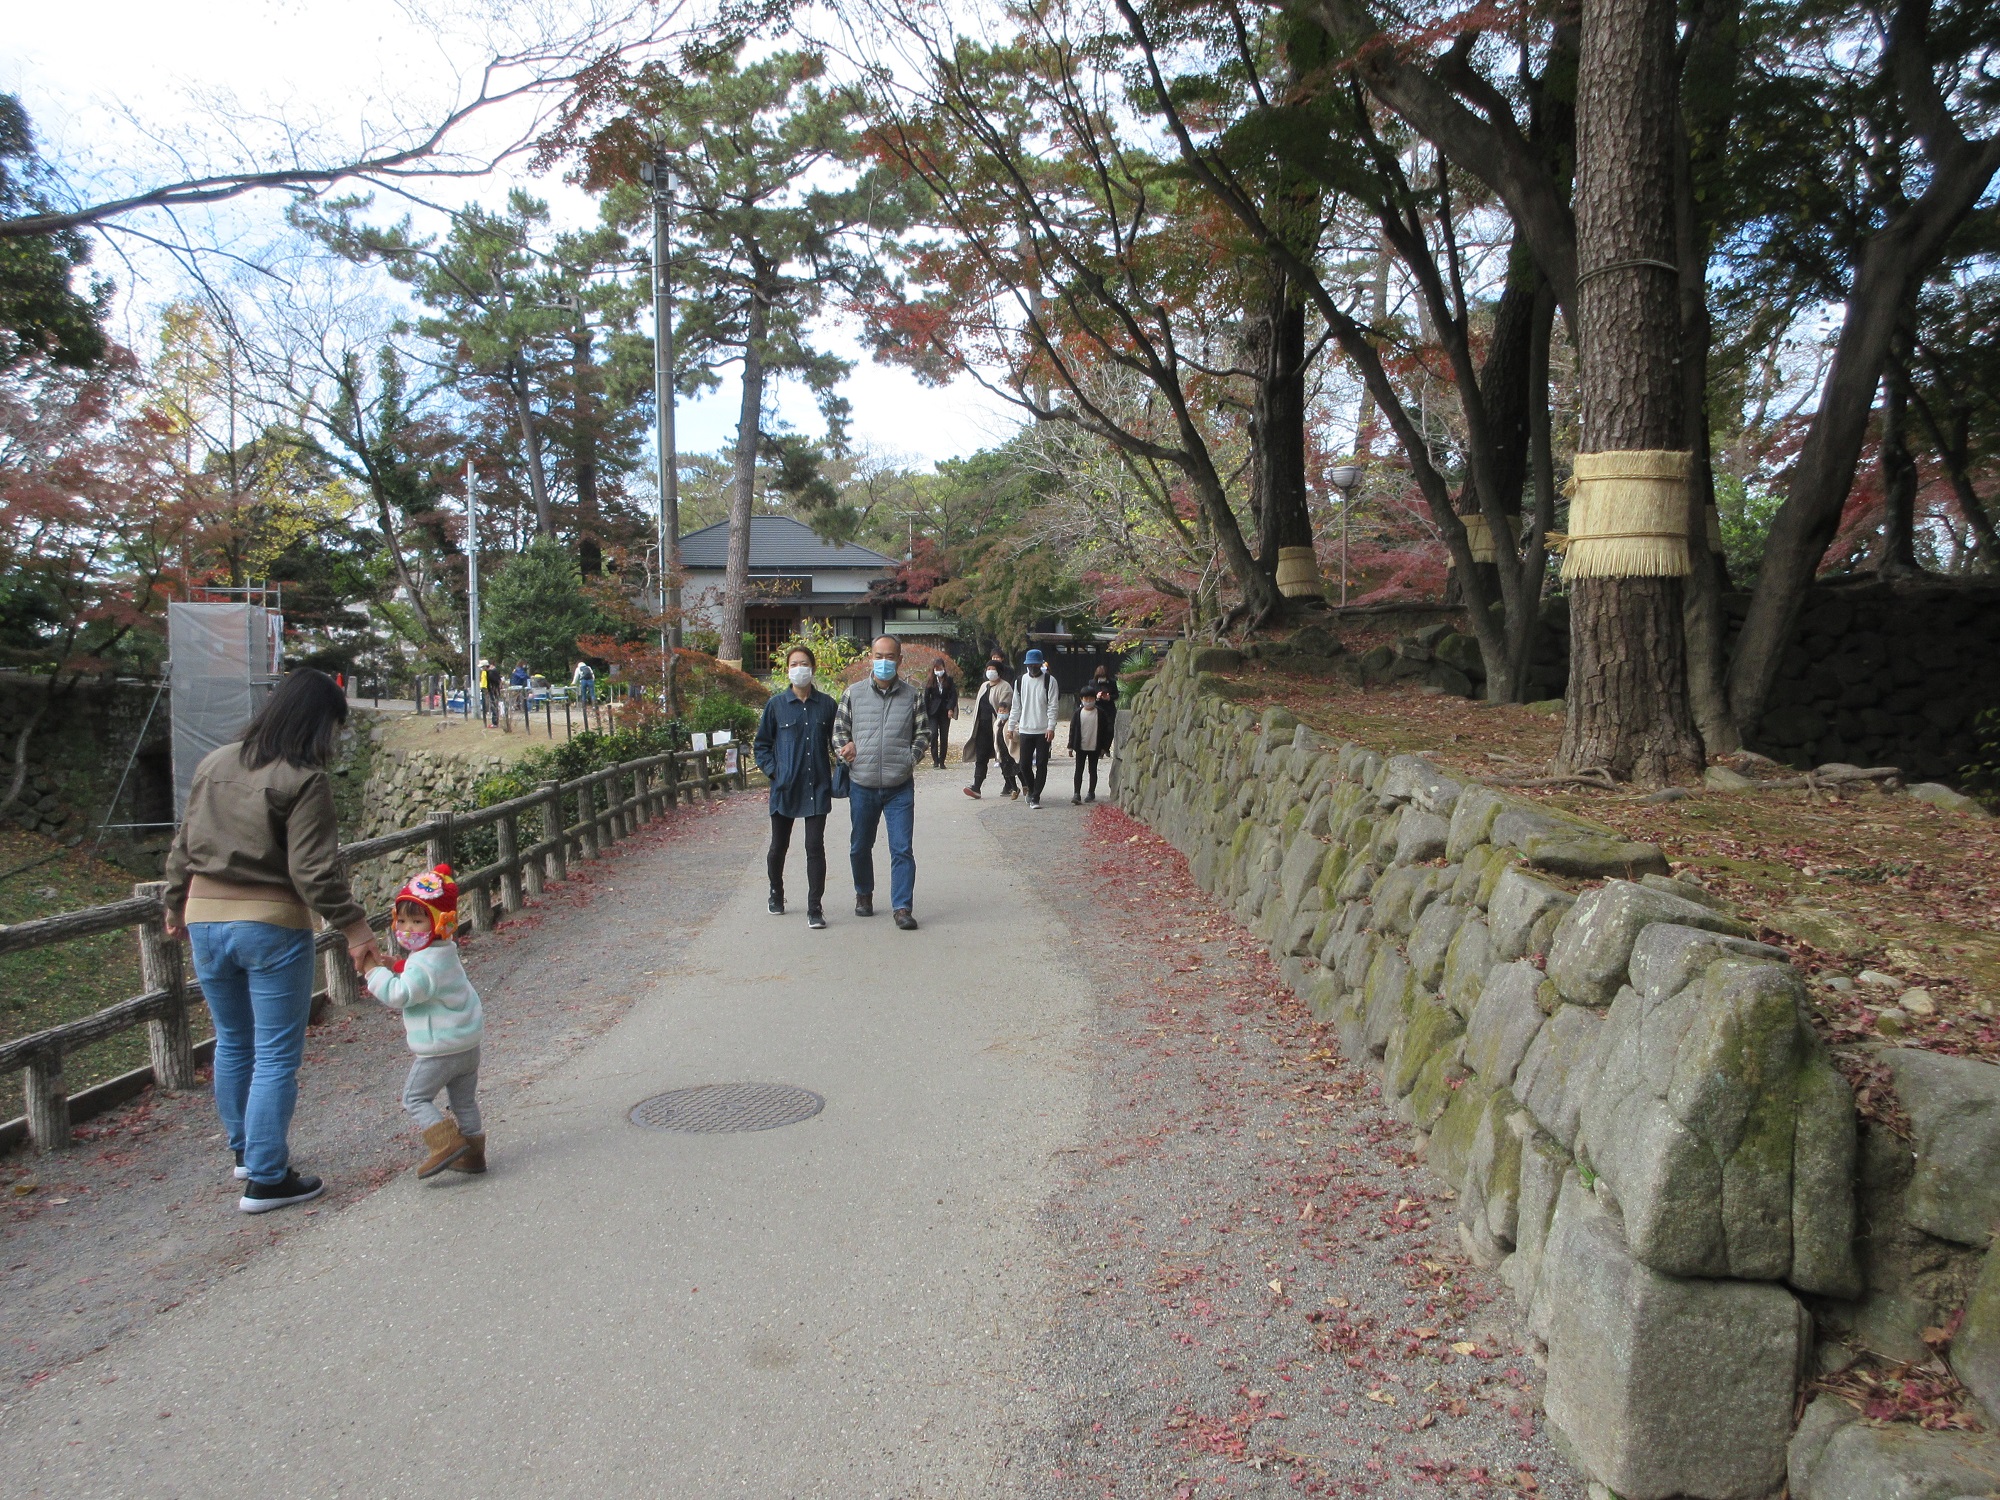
point(258, 854)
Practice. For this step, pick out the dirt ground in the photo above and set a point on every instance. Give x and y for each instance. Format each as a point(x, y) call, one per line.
point(141, 1214)
point(1262, 1290)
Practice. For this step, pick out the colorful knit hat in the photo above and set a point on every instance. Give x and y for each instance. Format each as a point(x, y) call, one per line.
point(437, 893)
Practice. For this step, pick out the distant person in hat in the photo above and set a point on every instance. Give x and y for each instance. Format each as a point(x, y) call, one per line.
point(1035, 702)
point(1090, 731)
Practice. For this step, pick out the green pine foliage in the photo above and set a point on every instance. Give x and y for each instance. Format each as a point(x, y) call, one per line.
point(535, 609)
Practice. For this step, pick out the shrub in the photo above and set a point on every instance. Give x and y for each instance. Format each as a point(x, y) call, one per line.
point(835, 653)
point(564, 761)
point(1982, 776)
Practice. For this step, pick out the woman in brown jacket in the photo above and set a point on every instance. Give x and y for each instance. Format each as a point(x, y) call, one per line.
point(256, 855)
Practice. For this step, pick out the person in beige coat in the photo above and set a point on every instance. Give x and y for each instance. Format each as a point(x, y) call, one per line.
point(991, 711)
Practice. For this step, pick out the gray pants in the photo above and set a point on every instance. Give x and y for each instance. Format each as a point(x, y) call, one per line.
point(457, 1073)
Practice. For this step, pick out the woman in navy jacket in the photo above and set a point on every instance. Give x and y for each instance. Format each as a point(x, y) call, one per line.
point(794, 748)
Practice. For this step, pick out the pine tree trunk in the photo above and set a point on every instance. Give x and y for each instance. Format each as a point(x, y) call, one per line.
point(749, 422)
point(589, 548)
point(1278, 423)
point(1896, 551)
point(531, 445)
point(1628, 697)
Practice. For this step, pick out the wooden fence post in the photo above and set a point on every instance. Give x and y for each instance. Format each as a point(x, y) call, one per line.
point(670, 785)
point(553, 832)
point(343, 985)
point(642, 793)
point(437, 847)
point(47, 1102)
point(160, 969)
point(508, 832)
point(482, 906)
point(614, 789)
point(586, 818)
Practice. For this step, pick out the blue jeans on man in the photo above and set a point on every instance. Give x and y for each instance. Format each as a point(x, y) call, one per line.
point(258, 980)
point(896, 806)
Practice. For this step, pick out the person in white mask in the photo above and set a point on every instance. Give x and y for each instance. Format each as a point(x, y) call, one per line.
point(940, 708)
point(794, 749)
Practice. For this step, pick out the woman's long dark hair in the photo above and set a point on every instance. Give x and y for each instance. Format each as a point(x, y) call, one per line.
point(298, 725)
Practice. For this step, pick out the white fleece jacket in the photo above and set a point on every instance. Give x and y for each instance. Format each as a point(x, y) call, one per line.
point(1035, 700)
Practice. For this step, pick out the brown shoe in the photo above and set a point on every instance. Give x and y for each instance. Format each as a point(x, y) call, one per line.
point(474, 1159)
point(446, 1145)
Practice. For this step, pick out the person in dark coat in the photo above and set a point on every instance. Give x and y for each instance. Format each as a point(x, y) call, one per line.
point(990, 712)
point(794, 749)
point(1090, 728)
point(940, 707)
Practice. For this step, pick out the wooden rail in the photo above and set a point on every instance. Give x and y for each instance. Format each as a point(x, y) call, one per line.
point(577, 819)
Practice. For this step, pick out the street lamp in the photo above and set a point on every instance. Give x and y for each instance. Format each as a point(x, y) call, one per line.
point(1345, 477)
point(655, 174)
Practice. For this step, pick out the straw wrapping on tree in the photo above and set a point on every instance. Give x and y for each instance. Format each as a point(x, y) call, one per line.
point(1629, 518)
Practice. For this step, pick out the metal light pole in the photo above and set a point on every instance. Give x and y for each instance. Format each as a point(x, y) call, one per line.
point(1345, 477)
point(655, 173)
point(473, 695)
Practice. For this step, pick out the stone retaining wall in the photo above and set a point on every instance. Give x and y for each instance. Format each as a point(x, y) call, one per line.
point(1643, 1130)
point(403, 788)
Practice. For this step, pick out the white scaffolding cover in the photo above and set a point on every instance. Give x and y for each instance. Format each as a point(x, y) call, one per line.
point(223, 659)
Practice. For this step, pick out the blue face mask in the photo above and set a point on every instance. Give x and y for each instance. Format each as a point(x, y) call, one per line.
point(884, 670)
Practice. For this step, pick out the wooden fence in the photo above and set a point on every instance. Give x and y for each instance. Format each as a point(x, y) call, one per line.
point(574, 819)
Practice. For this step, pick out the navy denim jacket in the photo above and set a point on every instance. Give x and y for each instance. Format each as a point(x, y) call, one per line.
point(794, 747)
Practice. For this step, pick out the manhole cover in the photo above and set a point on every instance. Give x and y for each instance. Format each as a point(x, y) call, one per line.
point(714, 1108)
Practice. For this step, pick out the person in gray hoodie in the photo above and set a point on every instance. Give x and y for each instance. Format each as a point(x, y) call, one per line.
point(880, 731)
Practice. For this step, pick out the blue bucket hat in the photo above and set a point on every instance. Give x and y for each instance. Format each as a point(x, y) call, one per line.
point(1033, 659)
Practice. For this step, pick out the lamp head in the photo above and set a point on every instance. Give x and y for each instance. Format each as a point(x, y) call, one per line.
point(1345, 477)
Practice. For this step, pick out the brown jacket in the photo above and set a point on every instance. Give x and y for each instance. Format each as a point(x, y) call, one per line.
point(261, 836)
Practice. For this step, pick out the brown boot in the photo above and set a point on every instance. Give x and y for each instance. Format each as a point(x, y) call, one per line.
point(446, 1146)
point(474, 1159)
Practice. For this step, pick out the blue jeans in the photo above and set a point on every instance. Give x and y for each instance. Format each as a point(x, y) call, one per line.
point(897, 806)
point(258, 981)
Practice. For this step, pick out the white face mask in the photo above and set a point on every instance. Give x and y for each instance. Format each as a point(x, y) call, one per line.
point(415, 942)
point(992, 674)
point(800, 675)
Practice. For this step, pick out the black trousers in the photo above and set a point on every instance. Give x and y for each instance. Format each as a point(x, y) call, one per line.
point(1086, 760)
point(1007, 772)
point(1035, 763)
point(781, 845)
point(940, 738)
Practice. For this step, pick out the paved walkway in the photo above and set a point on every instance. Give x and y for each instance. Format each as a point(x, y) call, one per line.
point(847, 1307)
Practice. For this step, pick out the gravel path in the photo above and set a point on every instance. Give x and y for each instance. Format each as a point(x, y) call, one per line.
point(137, 1219)
point(1260, 1289)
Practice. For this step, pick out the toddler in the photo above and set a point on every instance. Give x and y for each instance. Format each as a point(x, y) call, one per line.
point(442, 1020)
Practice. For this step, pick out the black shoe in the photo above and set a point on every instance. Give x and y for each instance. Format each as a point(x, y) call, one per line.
point(1075, 801)
point(777, 903)
point(262, 1197)
point(864, 906)
point(242, 1172)
point(1034, 804)
point(1090, 797)
point(904, 920)
point(815, 918)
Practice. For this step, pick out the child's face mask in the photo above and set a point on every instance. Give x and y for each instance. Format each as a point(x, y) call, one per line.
point(413, 942)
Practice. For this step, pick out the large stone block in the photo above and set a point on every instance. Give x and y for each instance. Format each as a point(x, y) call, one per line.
point(1668, 957)
point(1505, 1022)
point(1392, 898)
point(1466, 963)
point(1835, 1455)
point(1301, 867)
point(1420, 837)
point(1665, 1387)
point(1593, 856)
point(1472, 818)
point(1431, 938)
point(1429, 1027)
point(1954, 1108)
point(1411, 778)
point(1592, 948)
point(1523, 914)
point(1388, 992)
point(1556, 1074)
point(1449, 1153)
point(1975, 1352)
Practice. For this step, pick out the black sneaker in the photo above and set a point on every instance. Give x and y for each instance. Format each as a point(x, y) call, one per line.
point(904, 920)
point(1075, 801)
point(815, 919)
point(262, 1197)
point(864, 906)
point(777, 903)
point(1034, 804)
point(242, 1172)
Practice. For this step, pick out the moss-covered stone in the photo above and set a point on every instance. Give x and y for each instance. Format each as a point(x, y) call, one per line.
point(1429, 1026)
point(1455, 1125)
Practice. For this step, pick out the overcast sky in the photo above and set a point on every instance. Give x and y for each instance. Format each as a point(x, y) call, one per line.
point(121, 93)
